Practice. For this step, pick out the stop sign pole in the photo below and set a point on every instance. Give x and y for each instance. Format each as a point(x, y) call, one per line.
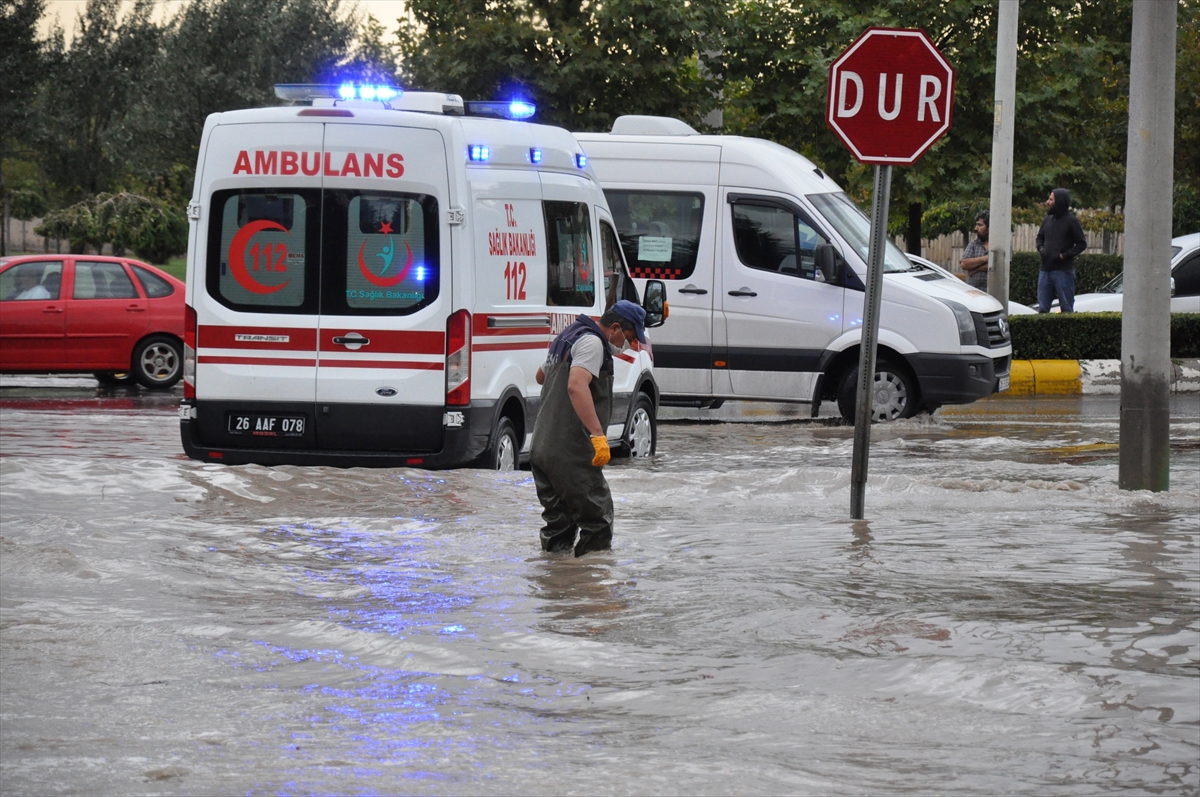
point(891, 94)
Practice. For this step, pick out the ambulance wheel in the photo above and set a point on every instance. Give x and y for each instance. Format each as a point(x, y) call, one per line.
point(112, 378)
point(641, 434)
point(505, 448)
point(895, 395)
point(158, 362)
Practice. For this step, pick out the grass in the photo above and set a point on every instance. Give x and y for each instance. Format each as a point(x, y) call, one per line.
point(176, 267)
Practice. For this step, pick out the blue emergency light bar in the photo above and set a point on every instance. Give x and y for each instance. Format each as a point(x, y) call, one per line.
point(478, 153)
point(581, 160)
point(516, 110)
point(306, 92)
point(535, 155)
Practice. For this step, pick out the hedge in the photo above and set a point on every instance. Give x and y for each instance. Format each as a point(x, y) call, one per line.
point(1091, 273)
point(1090, 336)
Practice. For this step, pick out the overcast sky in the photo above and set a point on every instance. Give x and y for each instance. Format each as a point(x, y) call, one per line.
point(66, 12)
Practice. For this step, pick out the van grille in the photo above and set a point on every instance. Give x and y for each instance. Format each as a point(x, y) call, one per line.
point(992, 329)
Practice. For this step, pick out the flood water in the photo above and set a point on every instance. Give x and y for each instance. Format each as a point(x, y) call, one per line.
point(1005, 622)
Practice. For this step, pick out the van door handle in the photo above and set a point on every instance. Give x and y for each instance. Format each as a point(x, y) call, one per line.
point(743, 292)
point(693, 289)
point(342, 340)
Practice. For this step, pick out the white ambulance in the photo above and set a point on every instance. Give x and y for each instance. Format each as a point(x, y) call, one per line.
point(765, 258)
point(374, 278)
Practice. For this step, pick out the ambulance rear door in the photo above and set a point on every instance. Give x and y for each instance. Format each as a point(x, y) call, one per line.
point(385, 289)
point(257, 301)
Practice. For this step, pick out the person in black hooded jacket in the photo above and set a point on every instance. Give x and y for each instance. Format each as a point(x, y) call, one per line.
point(1059, 241)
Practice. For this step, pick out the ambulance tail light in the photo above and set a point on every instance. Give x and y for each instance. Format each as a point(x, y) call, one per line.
point(458, 359)
point(189, 352)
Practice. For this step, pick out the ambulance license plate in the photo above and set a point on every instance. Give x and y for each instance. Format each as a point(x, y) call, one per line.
point(258, 425)
point(1003, 386)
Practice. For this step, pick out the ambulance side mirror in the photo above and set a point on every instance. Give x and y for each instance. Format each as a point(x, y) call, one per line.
point(827, 265)
point(655, 303)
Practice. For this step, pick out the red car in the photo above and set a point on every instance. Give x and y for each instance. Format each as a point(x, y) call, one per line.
point(111, 316)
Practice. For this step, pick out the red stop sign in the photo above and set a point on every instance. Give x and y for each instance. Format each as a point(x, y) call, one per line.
point(890, 96)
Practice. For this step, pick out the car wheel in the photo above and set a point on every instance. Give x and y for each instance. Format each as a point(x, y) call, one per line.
point(158, 362)
point(112, 378)
point(505, 448)
point(894, 396)
point(641, 433)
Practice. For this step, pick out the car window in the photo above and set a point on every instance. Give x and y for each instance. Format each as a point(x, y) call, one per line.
point(1187, 277)
point(102, 280)
point(262, 250)
point(659, 231)
point(569, 257)
point(155, 286)
point(30, 281)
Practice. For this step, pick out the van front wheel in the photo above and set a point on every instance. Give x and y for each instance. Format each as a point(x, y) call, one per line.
point(894, 395)
point(505, 448)
point(641, 434)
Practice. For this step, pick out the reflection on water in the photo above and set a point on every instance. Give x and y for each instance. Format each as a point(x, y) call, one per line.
point(1004, 622)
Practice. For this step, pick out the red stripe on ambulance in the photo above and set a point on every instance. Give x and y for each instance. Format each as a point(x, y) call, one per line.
point(288, 162)
point(386, 341)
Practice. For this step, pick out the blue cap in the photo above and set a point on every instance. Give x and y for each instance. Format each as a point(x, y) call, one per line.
point(634, 314)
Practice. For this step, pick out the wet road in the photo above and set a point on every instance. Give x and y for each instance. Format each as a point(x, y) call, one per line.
point(1005, 622)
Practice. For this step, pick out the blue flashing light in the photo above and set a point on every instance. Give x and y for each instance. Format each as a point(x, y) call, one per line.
point(535, 155)
point(518, 109)
point(478, 152)
point(420, 273)
point(580, 160)
point(385, 93)
point(366, 92)
point(346, 91)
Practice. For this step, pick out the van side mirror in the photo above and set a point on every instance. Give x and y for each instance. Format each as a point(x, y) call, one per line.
point(655, 303)
point(1172, 286)
point(826, 262)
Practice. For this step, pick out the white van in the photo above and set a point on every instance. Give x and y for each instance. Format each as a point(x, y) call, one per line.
point(765, 259)
point(375, 281)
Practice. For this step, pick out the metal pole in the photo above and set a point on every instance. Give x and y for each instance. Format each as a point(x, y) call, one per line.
point(880, 198)
point(1003, 126)
point(1144, 462)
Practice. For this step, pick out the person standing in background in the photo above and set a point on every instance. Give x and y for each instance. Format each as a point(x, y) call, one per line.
point(1059, 242)
point(975, 255)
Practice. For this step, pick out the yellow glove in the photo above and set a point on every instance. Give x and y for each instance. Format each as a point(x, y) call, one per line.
point(603, 455)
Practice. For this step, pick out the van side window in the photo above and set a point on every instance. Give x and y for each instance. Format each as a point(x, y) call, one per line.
point(771, 238)
point(262, 250)
point(617, 284)
point(570, 263)
point(379, 253)
point(660, 231)
point(1187, 277)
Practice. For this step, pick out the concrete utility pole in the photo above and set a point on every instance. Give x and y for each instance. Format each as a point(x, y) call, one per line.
point(1146, 312)
point(1003, 127)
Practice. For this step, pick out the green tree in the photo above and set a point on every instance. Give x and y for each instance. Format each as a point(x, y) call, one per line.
point(583, 63)
point(87, 91)
point(1187, 120)
point(1071, 85)
point(223, 55)
point(21, 65)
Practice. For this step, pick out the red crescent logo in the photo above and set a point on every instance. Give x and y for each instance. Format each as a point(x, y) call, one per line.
point(384, 282)
point(237, 256)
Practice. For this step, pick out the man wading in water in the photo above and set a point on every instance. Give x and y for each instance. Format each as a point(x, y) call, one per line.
point(569, 445)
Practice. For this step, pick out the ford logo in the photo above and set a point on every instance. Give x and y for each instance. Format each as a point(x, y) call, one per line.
point(386, 392)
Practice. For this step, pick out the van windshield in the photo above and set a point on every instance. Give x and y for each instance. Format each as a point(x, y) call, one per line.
point(855, 228)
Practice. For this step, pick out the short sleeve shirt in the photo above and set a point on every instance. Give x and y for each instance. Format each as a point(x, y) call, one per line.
point(588, 353)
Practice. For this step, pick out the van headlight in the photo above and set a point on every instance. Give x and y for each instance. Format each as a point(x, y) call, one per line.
point(966, 324)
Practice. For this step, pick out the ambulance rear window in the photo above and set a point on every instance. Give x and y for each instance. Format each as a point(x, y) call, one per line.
point(262, 250)
point(380, 253)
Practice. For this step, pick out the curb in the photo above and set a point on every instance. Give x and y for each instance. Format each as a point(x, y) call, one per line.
point(1088, 377)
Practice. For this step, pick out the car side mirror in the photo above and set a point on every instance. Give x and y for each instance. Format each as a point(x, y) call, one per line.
point(826, 262)
point(1172, 286)
point(655, 303)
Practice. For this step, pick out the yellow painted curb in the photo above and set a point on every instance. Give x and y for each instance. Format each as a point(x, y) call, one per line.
point(1045, 378)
